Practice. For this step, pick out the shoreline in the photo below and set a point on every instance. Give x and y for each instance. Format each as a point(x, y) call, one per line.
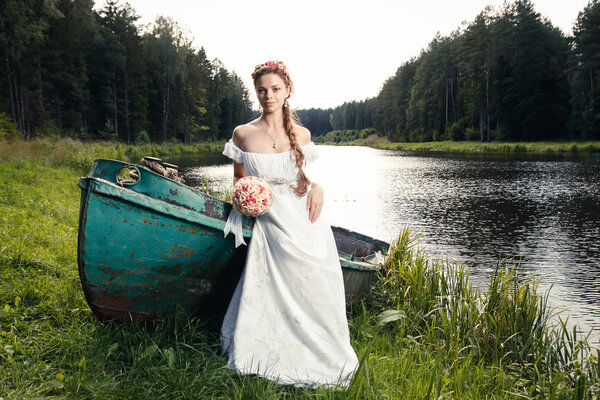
point(476, 147)
point(78, 154)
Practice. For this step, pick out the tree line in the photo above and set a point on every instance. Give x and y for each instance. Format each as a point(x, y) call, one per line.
point(507, 75)
point(71, 70)
point(352, 115)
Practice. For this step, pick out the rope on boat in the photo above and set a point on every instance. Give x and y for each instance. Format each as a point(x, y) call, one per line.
point(167, 170)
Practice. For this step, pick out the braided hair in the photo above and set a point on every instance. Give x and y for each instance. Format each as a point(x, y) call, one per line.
point(289, 118)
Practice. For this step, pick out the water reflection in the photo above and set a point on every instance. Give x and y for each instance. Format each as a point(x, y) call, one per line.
point(542, 210)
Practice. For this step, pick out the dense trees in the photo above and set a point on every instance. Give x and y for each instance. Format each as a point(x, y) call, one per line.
point(509, 74)
point(317, 120)
point(506, 75)
point(22, 37)
point(585, 82)
point(503, 76)
point(391, 105)
point(353, 115)
point(69, 69)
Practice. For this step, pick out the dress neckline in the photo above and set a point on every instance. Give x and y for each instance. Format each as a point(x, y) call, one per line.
point(269, 154)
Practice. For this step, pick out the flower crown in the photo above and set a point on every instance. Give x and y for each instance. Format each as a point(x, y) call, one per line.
point(277, 64)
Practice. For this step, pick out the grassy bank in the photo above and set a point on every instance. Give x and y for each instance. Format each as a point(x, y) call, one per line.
point(80, 155)
point(478, 147)
point(500, 147)
point(423, 333)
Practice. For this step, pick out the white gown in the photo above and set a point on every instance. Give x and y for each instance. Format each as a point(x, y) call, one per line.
point(287, 318)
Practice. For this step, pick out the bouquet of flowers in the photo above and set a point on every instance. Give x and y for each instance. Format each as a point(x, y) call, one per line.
point(252, 196)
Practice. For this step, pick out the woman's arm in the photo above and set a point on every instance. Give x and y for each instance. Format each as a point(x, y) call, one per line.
point(238, 168)
point(238, 172)
point(314, 202)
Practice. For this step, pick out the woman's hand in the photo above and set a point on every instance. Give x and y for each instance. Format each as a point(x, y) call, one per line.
point(314, 203)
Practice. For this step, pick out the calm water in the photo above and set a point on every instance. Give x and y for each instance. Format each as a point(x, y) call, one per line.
point(477, 210)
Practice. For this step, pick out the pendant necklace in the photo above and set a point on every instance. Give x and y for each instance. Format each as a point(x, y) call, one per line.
point(266, 130)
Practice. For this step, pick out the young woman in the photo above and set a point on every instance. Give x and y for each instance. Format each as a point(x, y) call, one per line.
point(287, 318)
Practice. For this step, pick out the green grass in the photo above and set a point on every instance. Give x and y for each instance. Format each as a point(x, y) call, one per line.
point(573, 146)
point(500, 147)
point(423, 333)
point(81, 155)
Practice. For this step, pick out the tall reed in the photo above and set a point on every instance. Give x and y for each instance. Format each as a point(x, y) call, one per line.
point(509, 324)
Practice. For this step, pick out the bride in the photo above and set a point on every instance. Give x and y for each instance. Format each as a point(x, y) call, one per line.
point(287, 319)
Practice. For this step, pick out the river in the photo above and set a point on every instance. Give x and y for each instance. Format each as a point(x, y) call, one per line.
point(540, 211)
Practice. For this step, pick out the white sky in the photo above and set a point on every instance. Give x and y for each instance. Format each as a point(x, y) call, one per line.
point(335, 50)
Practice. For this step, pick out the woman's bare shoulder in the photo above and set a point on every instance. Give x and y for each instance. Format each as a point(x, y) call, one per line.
point(302, 135)
point(242, 132)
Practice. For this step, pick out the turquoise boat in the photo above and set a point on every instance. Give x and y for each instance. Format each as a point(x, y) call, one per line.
point(150, 247)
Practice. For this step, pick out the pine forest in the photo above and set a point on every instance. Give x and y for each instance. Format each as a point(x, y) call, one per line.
point(71, 70)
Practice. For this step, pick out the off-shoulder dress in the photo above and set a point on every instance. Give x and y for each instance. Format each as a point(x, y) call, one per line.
point(287, 318)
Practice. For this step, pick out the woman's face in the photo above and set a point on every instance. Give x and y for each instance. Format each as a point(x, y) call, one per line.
point(271, 91)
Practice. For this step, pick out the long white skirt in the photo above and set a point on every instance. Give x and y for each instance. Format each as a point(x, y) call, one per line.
point(287, 318)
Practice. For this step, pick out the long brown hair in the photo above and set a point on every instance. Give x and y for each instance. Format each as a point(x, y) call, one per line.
point(289, 117)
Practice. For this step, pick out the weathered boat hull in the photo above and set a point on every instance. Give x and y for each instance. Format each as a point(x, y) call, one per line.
point(151, 247)
point(361, 257)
